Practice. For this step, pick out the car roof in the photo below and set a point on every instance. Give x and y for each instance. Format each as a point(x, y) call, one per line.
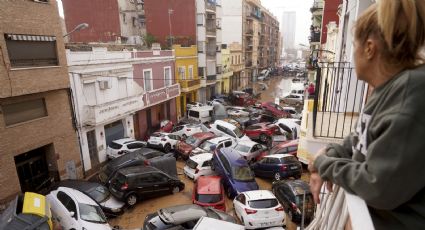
point(288, 107)
point(233, 156)
point(203, 135)
point(202, 108)
point(259, 195)
point(225, 124)
point(123, 141)
point(77, 195)
point(138, 169)
point(298, 186)
point(129, 157)
point(278, 156)
point(80, 185)
point(209, 185)
point(216, 140)
point(181, 213)
point(248, 143)
point(201, 157)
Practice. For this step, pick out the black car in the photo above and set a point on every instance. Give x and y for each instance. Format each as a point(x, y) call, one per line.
point(109, 204)
point(182, 217)
point(135, 183)
point(291, 195)
point(141, 157)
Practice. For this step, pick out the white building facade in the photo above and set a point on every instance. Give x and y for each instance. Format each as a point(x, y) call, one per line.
point(105, 97)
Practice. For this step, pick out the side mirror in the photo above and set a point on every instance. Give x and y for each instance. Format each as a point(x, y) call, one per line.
point(213, 147)
point(71, 214)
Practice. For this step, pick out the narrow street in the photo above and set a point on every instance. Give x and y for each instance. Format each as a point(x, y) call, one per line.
point(133, 218)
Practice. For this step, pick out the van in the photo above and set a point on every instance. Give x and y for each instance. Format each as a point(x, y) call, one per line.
point(202, 114)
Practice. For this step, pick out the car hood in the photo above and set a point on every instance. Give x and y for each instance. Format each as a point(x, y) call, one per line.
point(243, 186)
point(112, 203)
point(97, 226)
point(245, 138)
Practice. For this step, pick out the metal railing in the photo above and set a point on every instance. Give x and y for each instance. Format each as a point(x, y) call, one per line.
point(338, 99)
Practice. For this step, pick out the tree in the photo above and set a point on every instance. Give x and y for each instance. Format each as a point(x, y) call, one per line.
point(149, 39)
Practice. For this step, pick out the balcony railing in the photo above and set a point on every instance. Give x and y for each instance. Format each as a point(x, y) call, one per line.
point(315, 36)
point(211, 53)
point(211, 79)
point(163, 94)
point(337, 101)
point(189, 83)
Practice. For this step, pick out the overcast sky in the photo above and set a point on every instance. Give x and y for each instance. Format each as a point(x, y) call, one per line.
point(302, 7)
point(277, 7)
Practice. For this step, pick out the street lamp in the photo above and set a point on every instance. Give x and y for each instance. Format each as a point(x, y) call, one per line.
point(81, 26)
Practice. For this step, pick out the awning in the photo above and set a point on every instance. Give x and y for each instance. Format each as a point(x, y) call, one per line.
point(23, 37)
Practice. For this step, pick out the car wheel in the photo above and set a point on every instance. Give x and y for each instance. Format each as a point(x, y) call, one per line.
point(167, 148)
point(131, 200)
point(175, 190)
point(264, 138)
point(277, 176)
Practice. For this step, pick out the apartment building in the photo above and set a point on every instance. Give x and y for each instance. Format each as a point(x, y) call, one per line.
point(227, 72)
point(38, 140)
point(114, 21)
point(237, 65)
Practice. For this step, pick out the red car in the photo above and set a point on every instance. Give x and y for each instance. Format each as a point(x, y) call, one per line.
point(262, 131)
point(166, 126)
point(287, 147)
point(184, 148)
point(208, 192)
point(275, 110)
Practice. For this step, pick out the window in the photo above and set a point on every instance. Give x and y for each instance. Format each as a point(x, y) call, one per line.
point(292, 148)
point(226, 163)
point(135, 145)
point(147, 78)
point(167, 76)
point(23, 111)
point(134, 21)
point(123, 18)
point(241, 198)
point(182, 72)
point(232, 60)
point(193, 114)
point(122, 87)
point(159, 177)
point(201, 71)
point(207, 163)
point(200, 19)
point(31, 51)
point(190, 72)
point(67, 202)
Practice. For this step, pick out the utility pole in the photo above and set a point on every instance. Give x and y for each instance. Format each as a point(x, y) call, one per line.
point(170, 11)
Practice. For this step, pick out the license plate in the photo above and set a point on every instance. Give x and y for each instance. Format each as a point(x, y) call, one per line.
point(266, 224)
point(294, 167)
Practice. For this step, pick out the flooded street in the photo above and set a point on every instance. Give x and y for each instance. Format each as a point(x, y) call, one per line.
point(133, 218)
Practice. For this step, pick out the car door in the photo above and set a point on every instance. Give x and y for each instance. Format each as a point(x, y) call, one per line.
point(173, 140)
point(240, 203)
point(64, 206)
point(144, 184)
point(273, 166)
point(260, 166)
point(160, 183)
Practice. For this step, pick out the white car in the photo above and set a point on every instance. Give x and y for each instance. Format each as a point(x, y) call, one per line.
point(188, 130)
point(237, 112)
point(75, 210)
point(120, 147)
point(164, 141)
point(293, 99)
point(222, 128)
point(208, 223)
point(258, 209)
point(215, 143)
point(293, 112)
point(249, 149)
point(292, 124)
point(194, 104)
point(199, 165)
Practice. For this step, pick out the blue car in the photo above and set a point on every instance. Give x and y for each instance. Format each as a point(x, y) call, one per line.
point(235, 172)
point(278, 166)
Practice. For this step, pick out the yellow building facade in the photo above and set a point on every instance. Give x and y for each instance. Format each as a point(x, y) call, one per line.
point(186, 72)
point(227, 72)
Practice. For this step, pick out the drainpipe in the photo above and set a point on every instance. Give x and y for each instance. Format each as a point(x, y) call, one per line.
point(75, 123)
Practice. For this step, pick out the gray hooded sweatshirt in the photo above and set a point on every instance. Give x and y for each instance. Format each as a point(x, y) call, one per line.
point(383, 161)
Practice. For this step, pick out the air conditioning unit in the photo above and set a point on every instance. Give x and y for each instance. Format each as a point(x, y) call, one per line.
point(104, 84)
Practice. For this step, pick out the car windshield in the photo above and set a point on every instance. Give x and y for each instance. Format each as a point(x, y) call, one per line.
point(114, 145)
point(100, 194)
point(191, 141)
point(238, 132)
point(289, 159)
point(119, 179)
point(192, 164)
point(206, 145)
point(91, 213)
point(243, 173)
point(265, 203)
point(309, 203)
point(242, 148)
point(208, 198)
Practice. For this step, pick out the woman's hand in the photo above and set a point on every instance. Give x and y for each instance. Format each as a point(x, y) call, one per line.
point(316, 183)
point(311, 167)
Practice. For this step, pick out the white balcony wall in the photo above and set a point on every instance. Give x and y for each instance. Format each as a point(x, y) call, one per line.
point(202, 60)
point(201, 32)
point(211, 65)
point(200, 6)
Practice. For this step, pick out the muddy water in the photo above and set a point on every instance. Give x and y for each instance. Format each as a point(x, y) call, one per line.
point(133, 218)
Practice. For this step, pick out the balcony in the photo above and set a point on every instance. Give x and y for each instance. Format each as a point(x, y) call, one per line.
point(211, 79)
point(248, 64)
point(189, 85)
point(210, 6)
point(211, 54)
point(317, 5)
point(249, 32)
point(96, 114)
point(315, 36)
point(211, 29)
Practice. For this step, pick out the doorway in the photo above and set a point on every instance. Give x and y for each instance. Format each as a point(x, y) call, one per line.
point(92, 145)
point(114, 131)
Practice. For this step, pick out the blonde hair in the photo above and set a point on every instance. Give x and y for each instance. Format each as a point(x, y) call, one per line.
point(399, 26)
